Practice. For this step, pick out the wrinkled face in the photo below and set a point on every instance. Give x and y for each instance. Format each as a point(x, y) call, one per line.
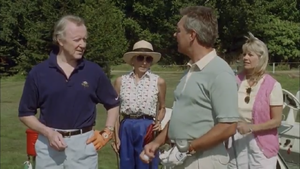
point(142, 63)
point(74, 42)
point(250, 60)
point(182, 36)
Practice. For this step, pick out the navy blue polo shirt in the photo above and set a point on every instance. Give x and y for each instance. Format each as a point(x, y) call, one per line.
point(66, 103)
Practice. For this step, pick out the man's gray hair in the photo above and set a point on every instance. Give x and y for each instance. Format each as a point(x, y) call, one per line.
point(60, 26)
point(203, 21)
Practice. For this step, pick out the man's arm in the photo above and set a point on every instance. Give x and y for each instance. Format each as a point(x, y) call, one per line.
point(161, 99)
point(224, 101)
point(162, 136)
point(108, 97)
point(276, 106)
point(28, 106)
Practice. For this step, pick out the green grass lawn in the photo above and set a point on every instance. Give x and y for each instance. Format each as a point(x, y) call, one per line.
point(13, 136)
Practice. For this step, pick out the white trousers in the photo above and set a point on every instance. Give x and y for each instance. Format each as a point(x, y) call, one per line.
point(249, 155)
point(78, 154)
point(215, 158)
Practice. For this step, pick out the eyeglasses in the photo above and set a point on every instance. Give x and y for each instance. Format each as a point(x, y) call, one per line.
point(141, 58)
point(247, 98)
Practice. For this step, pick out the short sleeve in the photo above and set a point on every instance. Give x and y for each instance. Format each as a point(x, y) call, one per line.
point(106, 93)
point(276, 96)
point(29, 100)
point(224, 98)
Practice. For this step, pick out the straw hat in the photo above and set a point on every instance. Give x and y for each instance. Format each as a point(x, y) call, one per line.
point(142, 48)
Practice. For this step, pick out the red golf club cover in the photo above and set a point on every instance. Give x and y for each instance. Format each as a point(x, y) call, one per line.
point(149, 135)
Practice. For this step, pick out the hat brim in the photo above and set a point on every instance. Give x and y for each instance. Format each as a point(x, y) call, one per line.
point(127, 57)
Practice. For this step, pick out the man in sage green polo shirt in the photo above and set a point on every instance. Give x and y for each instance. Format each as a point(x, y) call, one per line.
point(205, 109)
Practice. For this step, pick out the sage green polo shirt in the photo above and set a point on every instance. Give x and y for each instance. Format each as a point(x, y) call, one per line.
point(206, 95)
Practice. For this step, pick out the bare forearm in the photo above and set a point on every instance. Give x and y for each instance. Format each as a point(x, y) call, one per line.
point(217, 135)
point(271, 124)
point(33, 123)
point(161, 114)
point(162, 137)
point(112, 116)
point(117, 127)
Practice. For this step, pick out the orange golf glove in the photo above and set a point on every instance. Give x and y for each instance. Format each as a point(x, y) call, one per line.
point(100, 138)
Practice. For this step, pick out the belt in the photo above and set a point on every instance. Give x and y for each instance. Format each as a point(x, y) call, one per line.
point(125, 116)
point(73, 133)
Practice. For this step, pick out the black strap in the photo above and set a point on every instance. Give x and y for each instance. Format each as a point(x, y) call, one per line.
point(72, 133)
point(138, 117)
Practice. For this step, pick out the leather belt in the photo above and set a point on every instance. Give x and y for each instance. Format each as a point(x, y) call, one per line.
point(73, 133)
point(125, 116)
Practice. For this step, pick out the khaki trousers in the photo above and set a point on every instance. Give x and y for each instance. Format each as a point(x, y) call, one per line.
point(78, 154)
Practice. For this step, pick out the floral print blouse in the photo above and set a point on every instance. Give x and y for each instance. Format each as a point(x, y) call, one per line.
point(139, 98)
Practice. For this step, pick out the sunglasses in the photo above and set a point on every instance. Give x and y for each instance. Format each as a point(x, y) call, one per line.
point(247, 98)
point(141, 58)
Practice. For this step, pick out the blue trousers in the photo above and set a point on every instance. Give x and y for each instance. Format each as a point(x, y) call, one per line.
point(132, 132)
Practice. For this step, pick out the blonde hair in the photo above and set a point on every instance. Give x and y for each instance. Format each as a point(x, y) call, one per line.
point(258, 47)
point(60, 26)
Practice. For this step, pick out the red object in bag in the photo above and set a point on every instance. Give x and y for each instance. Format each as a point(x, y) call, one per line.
point(149, 135)
point(31, 139)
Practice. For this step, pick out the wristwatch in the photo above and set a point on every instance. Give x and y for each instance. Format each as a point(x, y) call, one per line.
point(110, 128)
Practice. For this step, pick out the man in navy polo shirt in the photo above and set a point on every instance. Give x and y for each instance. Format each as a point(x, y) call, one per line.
point(67, 88)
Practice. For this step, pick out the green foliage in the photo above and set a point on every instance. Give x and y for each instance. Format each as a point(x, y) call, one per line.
point(115, 25)
point(106, 41)
point(26, 36)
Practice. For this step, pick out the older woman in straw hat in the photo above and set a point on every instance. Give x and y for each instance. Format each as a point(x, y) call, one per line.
point(142, 95)
point(260, 105)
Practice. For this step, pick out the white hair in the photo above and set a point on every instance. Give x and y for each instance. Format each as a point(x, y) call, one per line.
point(60, 26)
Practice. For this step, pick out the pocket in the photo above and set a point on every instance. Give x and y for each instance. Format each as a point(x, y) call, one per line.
point(40, 145)
point(91, 149)
point(221, 159)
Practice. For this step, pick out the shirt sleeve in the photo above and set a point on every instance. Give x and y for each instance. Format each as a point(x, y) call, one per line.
point(224, 98)
point(29, 100)
point(106, 93)
point(276, 96)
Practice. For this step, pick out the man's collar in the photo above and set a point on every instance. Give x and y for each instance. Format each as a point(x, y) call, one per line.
point(53, 61)
point(203, 61)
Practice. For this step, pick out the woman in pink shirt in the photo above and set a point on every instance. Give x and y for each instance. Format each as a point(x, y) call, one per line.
point(260, 105)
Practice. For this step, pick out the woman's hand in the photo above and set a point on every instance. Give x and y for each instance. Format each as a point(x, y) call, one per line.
point(157, 127)
point(244, 128)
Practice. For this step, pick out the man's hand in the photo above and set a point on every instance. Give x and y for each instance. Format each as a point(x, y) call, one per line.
point(56, 140)
point(100, 138)
point(149, 150)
